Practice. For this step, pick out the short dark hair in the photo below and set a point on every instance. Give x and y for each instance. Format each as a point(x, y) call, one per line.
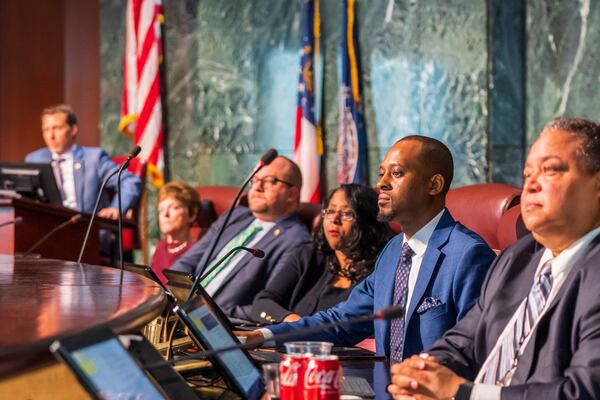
point(294, 174)
point(437, 156)
point(589, 133)
point(368, 236)
point(62, 108)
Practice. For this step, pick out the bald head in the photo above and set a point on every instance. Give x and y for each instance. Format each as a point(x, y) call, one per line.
point(434, 157)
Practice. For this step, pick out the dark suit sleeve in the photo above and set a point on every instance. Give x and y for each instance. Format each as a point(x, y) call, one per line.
point(131, 184)
point(274, 299)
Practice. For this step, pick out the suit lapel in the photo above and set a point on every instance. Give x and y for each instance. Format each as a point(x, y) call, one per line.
point(430, 261)
point(78, 175)
point(526, 364)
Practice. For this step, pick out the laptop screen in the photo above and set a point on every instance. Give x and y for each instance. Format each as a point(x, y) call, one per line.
point(207, 328)
point(111, 371)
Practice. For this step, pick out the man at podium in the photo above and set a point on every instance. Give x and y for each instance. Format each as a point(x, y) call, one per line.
point(79, 171)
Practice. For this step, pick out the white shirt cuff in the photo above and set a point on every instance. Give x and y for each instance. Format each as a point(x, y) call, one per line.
point(484, 391)
point(268, 335)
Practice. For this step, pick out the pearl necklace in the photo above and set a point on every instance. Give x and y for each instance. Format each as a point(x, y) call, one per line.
point(176, 249)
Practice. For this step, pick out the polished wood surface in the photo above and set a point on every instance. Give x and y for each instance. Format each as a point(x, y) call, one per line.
point(42, 300)
point(38, 219)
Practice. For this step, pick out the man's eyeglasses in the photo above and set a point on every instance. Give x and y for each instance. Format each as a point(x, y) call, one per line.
point(329, 213)
point(268, 182)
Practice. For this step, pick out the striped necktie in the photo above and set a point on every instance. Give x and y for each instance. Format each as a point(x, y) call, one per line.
point(400, 294)
point(507, 356)
point(243, 238)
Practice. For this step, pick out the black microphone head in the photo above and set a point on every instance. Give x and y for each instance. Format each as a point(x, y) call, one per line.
point(76, 218)
point(136, 150)
point(258, 253)
point(18, 220)
point(390, 313)
point(269, 156)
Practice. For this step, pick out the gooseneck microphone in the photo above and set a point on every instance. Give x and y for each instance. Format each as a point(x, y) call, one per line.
point(266, 159)
point(15, 221)
point(255, 252)
point(136, 150)
point(133, 153)
point(71, 221)
point(385, 314)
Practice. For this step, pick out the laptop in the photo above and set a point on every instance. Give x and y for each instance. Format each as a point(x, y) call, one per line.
point(209, 329)
point(107, 370)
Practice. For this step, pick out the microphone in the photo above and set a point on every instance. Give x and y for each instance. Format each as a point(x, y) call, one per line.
point(386, 314)
point(133, 153)
point(265, 160)
point(255, 252)
point(15, 221)
point(136, 150)
point(71, 221)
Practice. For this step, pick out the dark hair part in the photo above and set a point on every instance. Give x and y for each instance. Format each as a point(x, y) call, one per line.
point(183, 193)
point(437, 156)
point(64, 109)
point(589, 133)
point(368, 236)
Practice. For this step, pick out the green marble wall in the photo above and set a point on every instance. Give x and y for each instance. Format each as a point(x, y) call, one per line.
point(232, 71)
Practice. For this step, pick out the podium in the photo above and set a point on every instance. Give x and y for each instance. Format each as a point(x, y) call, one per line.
point(38, 219)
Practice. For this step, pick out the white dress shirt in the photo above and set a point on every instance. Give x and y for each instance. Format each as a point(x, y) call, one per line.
point(562, 264)
point(68, 179)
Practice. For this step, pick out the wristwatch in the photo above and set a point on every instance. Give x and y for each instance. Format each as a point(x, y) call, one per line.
point(464, 391)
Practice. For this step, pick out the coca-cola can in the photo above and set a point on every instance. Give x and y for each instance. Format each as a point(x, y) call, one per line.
point(323, 378)
point(291, 376)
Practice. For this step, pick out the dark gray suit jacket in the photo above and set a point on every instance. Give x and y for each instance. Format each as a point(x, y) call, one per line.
point(562, 358)
point(250, 275)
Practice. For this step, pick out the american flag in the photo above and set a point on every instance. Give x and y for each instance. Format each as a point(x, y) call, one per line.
point(352, 139)
point(308, 143)
point(142, 113)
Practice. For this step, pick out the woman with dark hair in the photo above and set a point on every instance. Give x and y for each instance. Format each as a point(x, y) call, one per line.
point(321, 274)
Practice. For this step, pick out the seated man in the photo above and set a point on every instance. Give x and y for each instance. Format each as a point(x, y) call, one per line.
point(80, 171)
point(269, 224)
point(434, 269)
point(535, 331)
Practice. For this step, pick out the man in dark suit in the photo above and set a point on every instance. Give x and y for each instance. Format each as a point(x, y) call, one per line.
point(535, 331)
point(270, 224)
point(434, 269)
point(80, 171)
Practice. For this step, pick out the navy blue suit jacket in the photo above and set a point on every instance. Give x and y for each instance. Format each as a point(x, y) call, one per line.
point(251, 274)
point(91, 165)
point(452, 271)
point(562, 357)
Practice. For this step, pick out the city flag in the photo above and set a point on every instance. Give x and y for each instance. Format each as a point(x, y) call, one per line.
point(142, 113)
point(308, 144)
point(352, 139)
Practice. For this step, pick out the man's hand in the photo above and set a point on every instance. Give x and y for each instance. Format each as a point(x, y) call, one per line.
point(110, 213)
point(250, 336)
point(292, 318)
point(422, 377)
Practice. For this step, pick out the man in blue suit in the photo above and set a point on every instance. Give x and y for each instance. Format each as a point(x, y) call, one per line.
point(80, 171)
point(434, 269)
point(269, 223)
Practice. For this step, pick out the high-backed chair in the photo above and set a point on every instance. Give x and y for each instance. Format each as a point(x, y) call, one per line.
point(480, 208)
point(511, 227)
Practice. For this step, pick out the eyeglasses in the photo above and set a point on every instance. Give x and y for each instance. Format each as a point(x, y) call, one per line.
point(268, 182)
point(329, 213)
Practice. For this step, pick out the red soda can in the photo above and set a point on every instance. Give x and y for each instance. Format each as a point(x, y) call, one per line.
point(323, 378)
point(291, 376)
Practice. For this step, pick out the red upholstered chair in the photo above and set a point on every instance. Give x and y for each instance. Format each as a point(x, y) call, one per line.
point(511, 227)
point(136, 238)
point(480, 208)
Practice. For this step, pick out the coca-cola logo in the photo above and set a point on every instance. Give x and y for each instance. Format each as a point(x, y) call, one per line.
point(323, 379)
point(288, 375)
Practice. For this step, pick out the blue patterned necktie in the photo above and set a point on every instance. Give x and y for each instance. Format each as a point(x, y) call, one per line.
point(506, 358)
point(400, 294)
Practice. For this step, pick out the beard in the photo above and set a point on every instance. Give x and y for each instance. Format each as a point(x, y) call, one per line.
point(385, 216)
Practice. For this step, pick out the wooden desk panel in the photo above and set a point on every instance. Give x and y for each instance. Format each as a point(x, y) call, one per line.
point(41, 300)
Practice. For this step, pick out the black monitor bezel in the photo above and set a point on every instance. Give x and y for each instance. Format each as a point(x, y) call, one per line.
point(46, 177)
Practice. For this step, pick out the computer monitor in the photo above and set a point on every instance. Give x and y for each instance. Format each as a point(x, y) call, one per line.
point(33, 180)
point(211, 331)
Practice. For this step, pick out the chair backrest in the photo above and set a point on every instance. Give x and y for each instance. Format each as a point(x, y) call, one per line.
point(480, 207)
point(511, 227)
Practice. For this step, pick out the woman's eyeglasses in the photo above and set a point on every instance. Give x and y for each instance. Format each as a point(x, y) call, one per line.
point(268, 182)
point(329, 213)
